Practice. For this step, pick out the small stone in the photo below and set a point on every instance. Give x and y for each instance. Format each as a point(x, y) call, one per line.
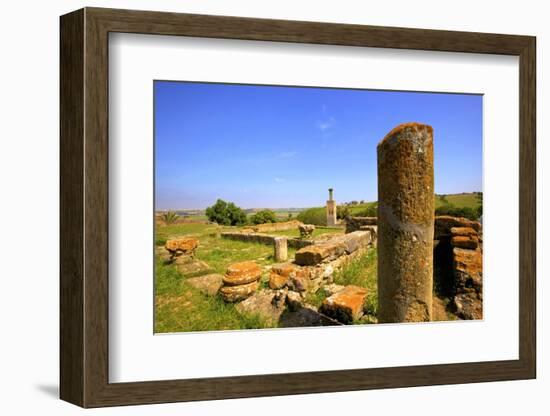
point(277, 281)
point(299, 281)
point(262, 304)
point(208, 284)
point(237, 293)
point(279, 300)
point(242, 273)
point(468, 306)
point(194, 268)
point(294, 300)
point(333, 288)
point(284, 269)
point(345, 306)
point(306, 230)
point(164, 255)
point(179, 246)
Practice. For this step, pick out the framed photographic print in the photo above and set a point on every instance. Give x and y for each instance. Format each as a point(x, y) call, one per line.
point(255, 207)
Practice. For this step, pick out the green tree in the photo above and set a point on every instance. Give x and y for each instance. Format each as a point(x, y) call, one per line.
point(263, 216)
point(315, 216)
point(226, 213)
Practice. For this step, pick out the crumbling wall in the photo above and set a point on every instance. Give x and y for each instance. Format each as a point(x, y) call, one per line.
point(357, 223)
point(266, 239)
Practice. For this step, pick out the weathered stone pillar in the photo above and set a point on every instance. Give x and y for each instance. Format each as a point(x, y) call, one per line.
point(405, 224)
point(280, 249)
point(331, 210)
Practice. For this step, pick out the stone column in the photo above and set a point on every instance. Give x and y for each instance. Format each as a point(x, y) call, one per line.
point(280, 249)
point(405, 224)
point(331, 210)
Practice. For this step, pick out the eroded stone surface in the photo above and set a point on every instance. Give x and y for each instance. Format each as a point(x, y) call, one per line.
point(238, 293)
point(405, 224)
point(306, 230)
point(208, 284)
point(263, 304)
point(462, 231)
point(465, 241)
point(354, 241)
point(468, 270)
point(468, 306)
point(277, 281)
point(280, 248)
point(178, 246)
point(294, 300)
point(346, 305)
point(242, 273)
point(444, 223)
point(357, 223)
point(318, 253)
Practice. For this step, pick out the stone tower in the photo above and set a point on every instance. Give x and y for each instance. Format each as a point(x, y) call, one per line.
point(331, 210)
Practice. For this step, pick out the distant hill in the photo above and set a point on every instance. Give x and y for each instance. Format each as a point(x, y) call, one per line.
point(464, 200)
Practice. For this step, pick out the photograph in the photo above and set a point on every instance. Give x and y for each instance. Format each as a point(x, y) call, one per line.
point(291, 206)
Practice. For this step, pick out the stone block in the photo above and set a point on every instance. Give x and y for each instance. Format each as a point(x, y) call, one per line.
point(346, 305)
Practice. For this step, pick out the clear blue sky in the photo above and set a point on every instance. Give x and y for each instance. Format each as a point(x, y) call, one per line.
point(271, 146)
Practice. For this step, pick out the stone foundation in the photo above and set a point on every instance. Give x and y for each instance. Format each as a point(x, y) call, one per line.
point(266, 239)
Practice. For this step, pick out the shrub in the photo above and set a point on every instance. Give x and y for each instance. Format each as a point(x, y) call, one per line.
point(315, 216)
point(263, 216)
point(369, 211)
point(169, 217)
point(342, 211)
point(226, 213)
point(466, 212)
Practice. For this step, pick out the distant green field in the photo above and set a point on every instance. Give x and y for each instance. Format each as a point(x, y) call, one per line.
point(469, 200)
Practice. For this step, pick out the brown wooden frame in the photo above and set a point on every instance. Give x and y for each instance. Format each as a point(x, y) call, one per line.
point(84, 207)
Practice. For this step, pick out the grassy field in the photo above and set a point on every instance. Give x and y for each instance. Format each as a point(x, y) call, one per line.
point(178, 306)
point(467, 200)
point(181, 308)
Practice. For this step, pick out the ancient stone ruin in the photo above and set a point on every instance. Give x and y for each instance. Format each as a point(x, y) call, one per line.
point(405, 224)
point(181, 253)
point(458, 264)
point(240, 281)
point(331, 210)
point(306, 230)
point(280, 249)
point(417, 253)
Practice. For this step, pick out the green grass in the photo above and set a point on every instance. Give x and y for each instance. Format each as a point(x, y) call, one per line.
point(316, 298)
point(362, 272)
point(164, 232)
point(218, 252)
point(181, 308)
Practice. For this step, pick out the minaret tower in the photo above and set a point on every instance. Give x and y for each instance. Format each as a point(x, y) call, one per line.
point(331, 210)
